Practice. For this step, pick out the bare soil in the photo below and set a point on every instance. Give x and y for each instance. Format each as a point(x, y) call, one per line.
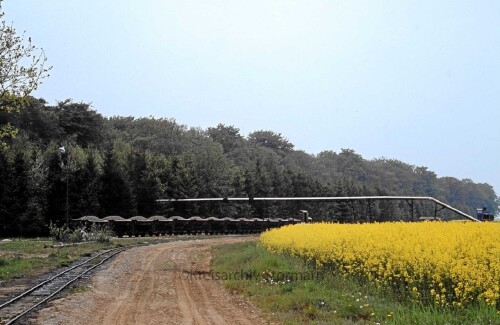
point(168, 283)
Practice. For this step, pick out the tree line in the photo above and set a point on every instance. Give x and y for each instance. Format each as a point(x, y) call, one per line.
point(68, 161)
point(64, 161)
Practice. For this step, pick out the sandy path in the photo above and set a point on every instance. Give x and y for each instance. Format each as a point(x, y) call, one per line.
point(162, 284)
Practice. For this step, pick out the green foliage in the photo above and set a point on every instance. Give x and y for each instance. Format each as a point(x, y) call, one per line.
point(80, 122)
point(115, 196)
point(213, 171)
point(227, 136)
point(271, 140)
point(34, 217)
point(86, 185)
point(121, 165)
point(22, 69)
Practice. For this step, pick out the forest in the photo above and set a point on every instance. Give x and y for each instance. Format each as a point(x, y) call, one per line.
point(68, 161)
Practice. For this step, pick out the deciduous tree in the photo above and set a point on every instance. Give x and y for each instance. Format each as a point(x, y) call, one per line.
point(22, 69)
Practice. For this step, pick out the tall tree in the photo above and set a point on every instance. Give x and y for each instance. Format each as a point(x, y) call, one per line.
point(116, 196)
point(19, 190)
point(180, 184)
point(272, 140)
point(57, 187)
point(145, 176)
point(79, 121)
point(22, 69)
point(87, 186)
point(228, 136)
point(37, 187)
point(5, 192)
point(214, 171)
point(351, 164)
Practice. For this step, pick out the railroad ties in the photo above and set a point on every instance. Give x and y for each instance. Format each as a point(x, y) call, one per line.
point(176, 225)
point(14, 309)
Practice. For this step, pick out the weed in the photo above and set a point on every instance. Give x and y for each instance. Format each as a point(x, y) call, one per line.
point(64, 234)
point(79, 289)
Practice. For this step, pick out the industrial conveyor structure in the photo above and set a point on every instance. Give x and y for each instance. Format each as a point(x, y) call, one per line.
point(438, 205)
point(177, 225)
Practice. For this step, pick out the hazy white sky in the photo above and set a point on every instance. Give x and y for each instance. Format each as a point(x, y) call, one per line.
point(414, 80)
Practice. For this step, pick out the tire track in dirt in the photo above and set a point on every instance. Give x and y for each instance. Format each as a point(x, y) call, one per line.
point(189, 309)
point(166, 283)
point(122, 310)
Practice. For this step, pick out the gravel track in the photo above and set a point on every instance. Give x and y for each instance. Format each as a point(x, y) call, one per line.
point(161, 284)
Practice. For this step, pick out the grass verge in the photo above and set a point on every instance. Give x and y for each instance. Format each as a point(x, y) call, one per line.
point(21, 258)
point(291, 292)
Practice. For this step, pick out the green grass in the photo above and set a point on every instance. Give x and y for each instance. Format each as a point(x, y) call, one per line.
point(79, 289)
point(291, 292)
point(28, 257)
point(22, 258)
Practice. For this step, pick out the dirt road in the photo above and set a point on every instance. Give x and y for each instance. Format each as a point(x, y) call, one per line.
point(166, 283)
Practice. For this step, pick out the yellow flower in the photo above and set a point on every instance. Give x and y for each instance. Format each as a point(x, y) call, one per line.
point(452, 264)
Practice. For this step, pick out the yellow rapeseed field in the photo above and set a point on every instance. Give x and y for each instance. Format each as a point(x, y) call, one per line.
point(448, 264)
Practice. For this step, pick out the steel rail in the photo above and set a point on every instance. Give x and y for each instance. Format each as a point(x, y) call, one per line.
point(25, 293)
point(323, 199)
point(65, 285)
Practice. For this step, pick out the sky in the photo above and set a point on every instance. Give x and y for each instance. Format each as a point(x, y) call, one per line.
point(415, 80)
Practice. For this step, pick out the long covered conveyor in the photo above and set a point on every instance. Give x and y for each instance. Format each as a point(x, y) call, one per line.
point(409, 199)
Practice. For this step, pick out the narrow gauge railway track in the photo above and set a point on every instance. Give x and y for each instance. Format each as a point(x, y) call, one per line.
point(13, 310)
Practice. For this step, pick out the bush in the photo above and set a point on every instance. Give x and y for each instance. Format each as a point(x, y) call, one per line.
point(60, 234)
point(98, 233)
